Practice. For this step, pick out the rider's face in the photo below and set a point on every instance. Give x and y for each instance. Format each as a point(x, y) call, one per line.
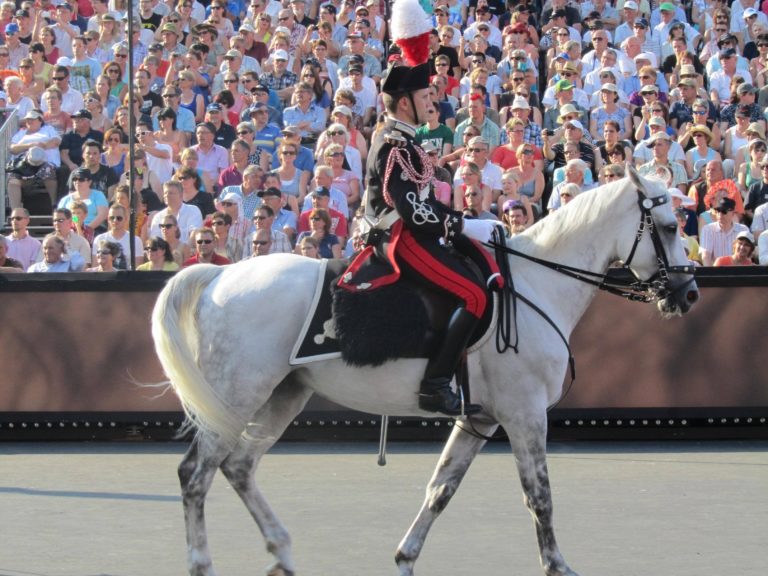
point(422, 99)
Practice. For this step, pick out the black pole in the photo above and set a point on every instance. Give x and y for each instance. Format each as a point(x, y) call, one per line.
point(131, 140)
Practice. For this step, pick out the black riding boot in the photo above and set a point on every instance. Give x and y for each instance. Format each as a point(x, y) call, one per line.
point(436, 394)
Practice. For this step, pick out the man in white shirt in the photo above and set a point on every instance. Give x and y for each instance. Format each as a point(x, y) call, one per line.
point(189, 217)
point(717, 238)
point(159, 155)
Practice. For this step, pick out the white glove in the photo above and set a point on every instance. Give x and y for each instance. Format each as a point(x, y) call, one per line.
point(480, 230)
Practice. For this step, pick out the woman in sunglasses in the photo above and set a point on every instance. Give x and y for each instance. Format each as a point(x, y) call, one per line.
point(118, 233)
point(169, 230)
point(159, 257)
point(320, 226)
point(106, 254)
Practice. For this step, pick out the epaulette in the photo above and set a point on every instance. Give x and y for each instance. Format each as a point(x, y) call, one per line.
point(395, 138)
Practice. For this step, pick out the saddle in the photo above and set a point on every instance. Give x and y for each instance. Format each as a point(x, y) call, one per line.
point(368, 328)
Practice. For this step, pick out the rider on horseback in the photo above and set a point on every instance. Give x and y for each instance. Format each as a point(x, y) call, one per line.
point(414, 233)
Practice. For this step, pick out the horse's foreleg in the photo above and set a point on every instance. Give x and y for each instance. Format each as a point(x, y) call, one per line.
point(528, 441)
point(239, 467)
point(196, 473)
point(456, 458)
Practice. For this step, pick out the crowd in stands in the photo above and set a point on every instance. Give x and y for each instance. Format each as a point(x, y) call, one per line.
point(254, 121)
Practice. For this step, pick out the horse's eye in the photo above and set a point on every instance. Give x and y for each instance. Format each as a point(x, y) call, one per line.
point(671, 228)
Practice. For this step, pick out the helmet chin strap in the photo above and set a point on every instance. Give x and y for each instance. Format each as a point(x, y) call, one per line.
point(416, 118)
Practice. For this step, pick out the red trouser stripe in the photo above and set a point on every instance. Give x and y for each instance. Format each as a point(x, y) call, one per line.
point(439, 274)
point(487, 256)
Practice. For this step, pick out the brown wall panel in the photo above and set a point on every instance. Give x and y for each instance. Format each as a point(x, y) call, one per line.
point(85, 351)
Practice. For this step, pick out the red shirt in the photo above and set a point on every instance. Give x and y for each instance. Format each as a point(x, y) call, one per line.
point(338, 222)
point(505, 158)
point(217, 259)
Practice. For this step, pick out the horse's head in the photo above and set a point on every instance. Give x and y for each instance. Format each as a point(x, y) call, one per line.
point(655, 255)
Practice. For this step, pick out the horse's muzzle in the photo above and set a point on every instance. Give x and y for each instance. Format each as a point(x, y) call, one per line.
point(681, 298)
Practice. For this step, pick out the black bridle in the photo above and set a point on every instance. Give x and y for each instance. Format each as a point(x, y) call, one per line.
point(623, 280)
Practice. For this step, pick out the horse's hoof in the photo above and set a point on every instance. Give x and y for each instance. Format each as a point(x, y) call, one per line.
point(278, 570)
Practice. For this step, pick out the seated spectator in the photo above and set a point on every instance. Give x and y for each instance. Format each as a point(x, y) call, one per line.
point(478, 118)
point(567, 192)
point(224, 244)
point(574, 132)
point(231, 204)
point(159, 257)
point(106, 255)
point(515, 217)
point(212, 158)
point(572, 152)
point(473, 200)
point(22, 246)
point(283, 220)
point(188, 218)
point(690, 244)
point(756, 207)
point(192, 195)
point(232, 175)
point(248, 191)
point(643, 151)
point(103, 178)
point(95, 200)
point(118, 233)
point(56, 258)
point(28, 172)
point(661, 144)
point(337, 134)
point(169, 230)
point(71, 99)
point(344, 180)
point(265, 228)
point(134, 203)
point(706, 193)
point(308, 246)
point(702, 151)
point(718, 238)
point(15, 99)
point(574, 174)
point(610, 173)
point(63, 227)
point(224, 133)
point(204, 253)
point(321, 198)
point(256, 156)
point(261, 243)
point(743, 250)
point(55, 116)
point(266, 133)
point(169, 134)
point(72, 142)
point(324, 179)
point(8, 265)
point(307, 116)
point(320, 229)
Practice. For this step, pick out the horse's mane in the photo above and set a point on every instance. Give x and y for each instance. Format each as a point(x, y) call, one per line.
point(582, 213)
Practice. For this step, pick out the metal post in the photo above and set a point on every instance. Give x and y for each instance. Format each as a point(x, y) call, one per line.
point(131, 139)
point(383, 440)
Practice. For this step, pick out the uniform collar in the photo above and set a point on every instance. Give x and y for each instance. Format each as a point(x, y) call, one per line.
point(402, 127)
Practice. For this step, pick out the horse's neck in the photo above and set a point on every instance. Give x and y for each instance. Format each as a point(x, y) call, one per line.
point(586, 240)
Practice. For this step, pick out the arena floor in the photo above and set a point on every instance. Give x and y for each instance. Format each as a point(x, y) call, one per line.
point(622, 509)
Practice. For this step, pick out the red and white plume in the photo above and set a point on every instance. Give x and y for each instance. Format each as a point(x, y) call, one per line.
point(410, 27)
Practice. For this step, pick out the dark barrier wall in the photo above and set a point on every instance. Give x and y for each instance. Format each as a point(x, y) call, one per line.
point(85, 347)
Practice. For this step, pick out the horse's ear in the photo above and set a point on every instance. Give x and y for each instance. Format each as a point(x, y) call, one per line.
point(634, 177)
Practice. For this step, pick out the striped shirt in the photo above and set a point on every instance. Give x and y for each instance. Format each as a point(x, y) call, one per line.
point(716, 243)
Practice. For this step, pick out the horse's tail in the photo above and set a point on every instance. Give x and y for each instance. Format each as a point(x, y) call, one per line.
point(177, 340)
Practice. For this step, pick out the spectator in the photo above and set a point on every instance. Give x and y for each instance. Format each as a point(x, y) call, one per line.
point(706, 193)
point(21, 245)
point(701, 152)
point(224, 133)
point(743, 250)
point(15, 98)
point(261, 243)
point(8, 265)
point(321, 199)
point(72, 142)
point(224, 244)
point(248, 191)
point(308, 247)
point(281, 80)
point(63, 227)
point(232, 175)
point(320, 229)
point(757, 197)
point(193, 193)
point(231, 204)
point(71, 99)
point(103, 178)
point(307, 116)
point(660, 144)
point(56, 259)
point(184, 120)
point(477, 118)
point(717, 238)
point(37, 157)
point(266, 133)
point(95, 200)
point(170, 232)
point(284, 220)
point(159, 257)
point(188, 218)
point(118, 233)
point(212, 158)
point(106, 254)
point(343, 179)
point(204, 252)
point(324, 179)
point(264, 221)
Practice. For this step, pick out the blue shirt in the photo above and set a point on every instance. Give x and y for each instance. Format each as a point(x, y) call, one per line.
point(185, 120)
point(266, 138)
point(315, 115)
point(304, 160)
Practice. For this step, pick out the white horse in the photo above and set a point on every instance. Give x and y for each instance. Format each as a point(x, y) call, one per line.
point(224, 336)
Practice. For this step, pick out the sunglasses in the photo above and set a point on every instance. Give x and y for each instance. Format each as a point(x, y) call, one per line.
point(230, 81)
point(116, 218)
point(336, 133)
point(227, 203)
point(473, 150)
point(441, 64)
point(113, 71)
point(164, 226)
point(58, 220)
point(334, 155)
point(80, 180)
point(287, 152)
point(151, 248)
point(121, 55)
point(261, 217)
point(103, 253)
point(260, 242)
point(244, 132)
point(204, 241)
point(471, 194)
point(55, 78)
point(219, 223)
point(17, 218)
point(315, 218)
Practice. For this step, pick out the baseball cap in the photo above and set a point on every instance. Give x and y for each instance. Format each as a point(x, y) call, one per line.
point(749, 12)
point(563, 85)
point(630, 4)
point(213, 107)
point(667, 7)
point(342, 109)
point(321, 191)
point(12, 28)
point(745, 235)
point(576, 124)
point(83, 113)
point(280, 55)
point(231, 54)
point(271, 191)
point(33, 115)
point(655, 121)
point(641, 22)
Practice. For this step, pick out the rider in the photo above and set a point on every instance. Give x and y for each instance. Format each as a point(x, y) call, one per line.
point(414, 232)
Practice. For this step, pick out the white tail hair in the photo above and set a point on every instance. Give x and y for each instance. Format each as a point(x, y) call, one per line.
point(176, 335)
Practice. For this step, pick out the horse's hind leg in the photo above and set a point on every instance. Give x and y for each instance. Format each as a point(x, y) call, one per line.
point(529, 444)
point(196, 472)
point(239, 467)
point(458, 454)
